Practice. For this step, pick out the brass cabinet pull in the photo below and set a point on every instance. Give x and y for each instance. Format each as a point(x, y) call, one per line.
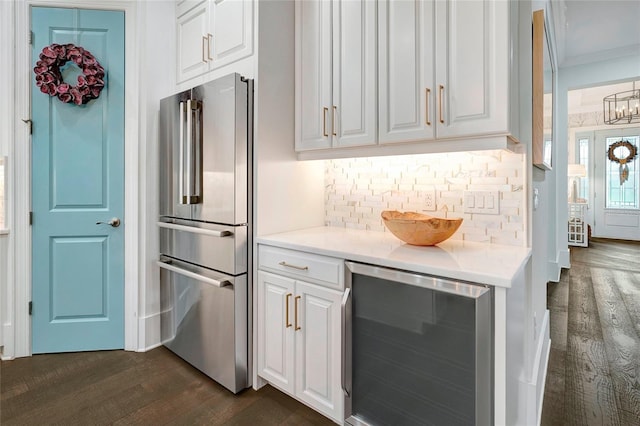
point(204, 41)
point(296, 313)
point(209, 40)
point(289, 265)
point(325, 110)
point(440, 95)
point(288, 324)
point(426, 103)
point(333, 121)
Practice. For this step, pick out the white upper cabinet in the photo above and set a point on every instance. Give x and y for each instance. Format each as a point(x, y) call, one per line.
point(192, 43)
point(336, 83)
point(472, 67)
point(406, 69)
point(443, 72)
point(231, 25)
point(212, 34)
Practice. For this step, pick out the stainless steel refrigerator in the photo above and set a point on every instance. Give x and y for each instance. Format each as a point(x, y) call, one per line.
point(205, 227)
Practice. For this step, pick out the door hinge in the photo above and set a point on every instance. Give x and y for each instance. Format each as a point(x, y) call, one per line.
point(31, 37)
point(30, 308)
point(30, 218)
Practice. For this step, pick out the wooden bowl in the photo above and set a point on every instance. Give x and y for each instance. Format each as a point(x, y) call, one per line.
point(419, 229)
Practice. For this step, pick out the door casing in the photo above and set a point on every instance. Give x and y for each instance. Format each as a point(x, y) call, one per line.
point(18, 339)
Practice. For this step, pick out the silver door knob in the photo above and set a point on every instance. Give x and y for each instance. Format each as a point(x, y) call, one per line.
point(114, 221)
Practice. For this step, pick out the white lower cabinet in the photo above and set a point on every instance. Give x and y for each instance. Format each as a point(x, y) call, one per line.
point(299, 345)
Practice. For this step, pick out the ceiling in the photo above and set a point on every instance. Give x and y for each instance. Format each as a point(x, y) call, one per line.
point(590, 99)
point(589, 31)
point(595, 30)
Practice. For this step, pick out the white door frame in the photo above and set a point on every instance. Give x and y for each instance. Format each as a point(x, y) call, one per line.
point(20, 326)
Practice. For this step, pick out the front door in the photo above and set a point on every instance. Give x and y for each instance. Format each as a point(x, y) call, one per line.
point(617, 184)
point(77, 180)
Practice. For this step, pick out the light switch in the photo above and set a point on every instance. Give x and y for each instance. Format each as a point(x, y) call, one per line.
point(489, 201)
point(470, 201)
point(482, 202)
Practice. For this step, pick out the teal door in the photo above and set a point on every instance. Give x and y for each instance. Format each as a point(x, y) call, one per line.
point(77, 180)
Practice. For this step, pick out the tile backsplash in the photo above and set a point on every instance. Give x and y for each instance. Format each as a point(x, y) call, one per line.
point(357, 190)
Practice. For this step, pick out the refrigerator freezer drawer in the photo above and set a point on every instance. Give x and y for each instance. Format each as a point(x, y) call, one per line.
point(204, 323)
point(219, 247)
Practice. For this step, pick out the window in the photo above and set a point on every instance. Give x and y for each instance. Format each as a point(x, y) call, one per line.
point(621, 195)
point(583, 158)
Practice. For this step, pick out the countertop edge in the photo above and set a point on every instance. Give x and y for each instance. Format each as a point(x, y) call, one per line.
point(280, 240)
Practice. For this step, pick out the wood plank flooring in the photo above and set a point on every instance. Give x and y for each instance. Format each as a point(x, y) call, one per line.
point(593, 376)
point(128, 388)
point(594, 366)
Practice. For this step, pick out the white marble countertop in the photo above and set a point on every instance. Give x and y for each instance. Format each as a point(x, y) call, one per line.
point(483, 263)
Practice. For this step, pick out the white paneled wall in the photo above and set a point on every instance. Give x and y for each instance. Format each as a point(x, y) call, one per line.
point(2, 192)
point(357, 190)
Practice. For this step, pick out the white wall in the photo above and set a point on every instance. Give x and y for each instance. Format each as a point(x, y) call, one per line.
point(6, 132)
point(289, 193)
point(158, 80)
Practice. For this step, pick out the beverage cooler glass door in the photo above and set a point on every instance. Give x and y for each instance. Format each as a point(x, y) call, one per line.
point(417, 349)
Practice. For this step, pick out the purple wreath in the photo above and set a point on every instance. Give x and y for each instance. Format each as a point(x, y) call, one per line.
point(49, 78)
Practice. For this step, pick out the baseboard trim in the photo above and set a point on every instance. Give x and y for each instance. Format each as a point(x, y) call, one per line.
point(564, 258)
point(8, 339)
point(542, 364)
point(149, 332)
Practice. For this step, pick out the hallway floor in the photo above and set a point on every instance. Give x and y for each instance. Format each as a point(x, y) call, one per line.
point(130, 388)
point(594, 367)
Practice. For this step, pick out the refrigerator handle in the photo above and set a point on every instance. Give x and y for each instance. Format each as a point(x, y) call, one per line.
point(194, 230)
point(181, 197)
point(189, 189)
point(197, 140)
point(193, 153)
point(166, 264)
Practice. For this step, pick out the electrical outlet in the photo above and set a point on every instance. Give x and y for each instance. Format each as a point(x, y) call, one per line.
point(430, 200)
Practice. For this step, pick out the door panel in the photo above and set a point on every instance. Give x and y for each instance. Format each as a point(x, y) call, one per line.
point(354, 73)
point(170, 156)
point(275, 330)
point(231, 24)
point(313, 74)
point(78, 180)
point(406, 70)
point(472, 67)
point(224, 152)
point(318, 380)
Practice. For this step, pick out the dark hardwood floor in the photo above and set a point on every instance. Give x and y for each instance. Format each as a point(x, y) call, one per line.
point(128, 388)
point(594, 367)
point(593, 376)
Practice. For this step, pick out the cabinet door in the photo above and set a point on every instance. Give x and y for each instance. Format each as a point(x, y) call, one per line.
point(231, 35)
point(275, 330)
point(353, 112)
point(472, 74)
point(406, 70)
point(191, 43)
point(313, 74)
point(318, 348)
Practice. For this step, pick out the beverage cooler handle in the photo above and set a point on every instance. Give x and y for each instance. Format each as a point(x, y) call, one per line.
point(346, 319)
point(181, 197)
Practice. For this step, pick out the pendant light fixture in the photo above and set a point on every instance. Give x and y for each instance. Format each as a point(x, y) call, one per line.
point(622, 107)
